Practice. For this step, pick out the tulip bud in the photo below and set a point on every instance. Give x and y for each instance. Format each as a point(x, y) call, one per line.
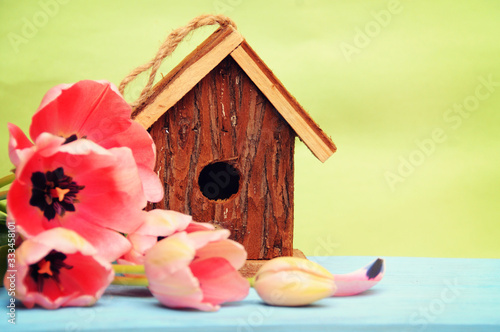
point(292, 281)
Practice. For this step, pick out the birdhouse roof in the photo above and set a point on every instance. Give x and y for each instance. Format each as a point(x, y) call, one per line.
point(229, 42)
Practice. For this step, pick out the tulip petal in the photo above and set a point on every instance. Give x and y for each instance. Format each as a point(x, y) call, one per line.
point(60, 115)
point(219, 280)
point(163, 222)
point(105, 176)
point(19, 145)
point(53, 93)
point(81, 279)
point(170, 254)
point(199, 226)
point(200, 239)
point(233, 252)
point(97, 111)
point(178, 278)
point(360, 280)
point(144, 151)
point(151, 184)
point(110, 244)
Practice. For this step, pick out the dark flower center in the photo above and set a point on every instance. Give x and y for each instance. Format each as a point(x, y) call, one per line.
point(70, 139)
point(48, 268)
point(54, 192)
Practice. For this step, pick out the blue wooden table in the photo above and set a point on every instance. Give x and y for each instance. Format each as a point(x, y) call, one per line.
point(416, 294)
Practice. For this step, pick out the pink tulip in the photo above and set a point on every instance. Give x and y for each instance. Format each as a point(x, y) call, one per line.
point(81, 186)
point(158, 224)
point(293, 281)
point(94, 110)
point(196, 270)
point(58, 268)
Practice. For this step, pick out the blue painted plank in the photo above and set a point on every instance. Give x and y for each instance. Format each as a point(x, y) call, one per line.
point(416, 294)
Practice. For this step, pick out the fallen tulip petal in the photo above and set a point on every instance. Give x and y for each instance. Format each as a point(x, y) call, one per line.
point(360, 280)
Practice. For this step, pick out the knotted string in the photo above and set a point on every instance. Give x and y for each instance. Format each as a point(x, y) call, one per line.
point(167, 48)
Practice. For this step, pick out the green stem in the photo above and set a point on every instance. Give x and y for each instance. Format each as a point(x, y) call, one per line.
point(8, 179)
point(130, 281)
point(140, 279)
point(128, 269)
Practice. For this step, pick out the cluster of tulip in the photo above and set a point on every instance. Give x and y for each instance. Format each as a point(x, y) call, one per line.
point(77, 201)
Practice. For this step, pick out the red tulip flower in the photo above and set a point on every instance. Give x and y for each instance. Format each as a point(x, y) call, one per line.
point(58, 268)
point(81, 186)
point(94, 110)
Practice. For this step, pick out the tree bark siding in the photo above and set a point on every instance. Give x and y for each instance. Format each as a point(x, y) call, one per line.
point(226, 118)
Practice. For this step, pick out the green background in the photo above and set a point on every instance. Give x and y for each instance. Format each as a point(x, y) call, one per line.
point(380, 77)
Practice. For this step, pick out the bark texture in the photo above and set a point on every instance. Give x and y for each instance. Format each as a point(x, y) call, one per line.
point(225, 118)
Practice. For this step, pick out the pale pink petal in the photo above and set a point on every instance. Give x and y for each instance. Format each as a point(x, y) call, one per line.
point(164, 222)
point(158, 224)
point(47, 144)
point(132, 257)
point(170, 255)
point(200, 239)
point(67, 241)
point(179, 289)
point(151, 184)
point(110, 244)
point(360, 280)
point(219, 281)
point(167, 269)
point(140, 245)
point(20, 147)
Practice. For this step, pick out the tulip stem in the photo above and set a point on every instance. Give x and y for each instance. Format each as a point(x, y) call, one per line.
point(130, 281)
point(8, 179)
point(128, 269)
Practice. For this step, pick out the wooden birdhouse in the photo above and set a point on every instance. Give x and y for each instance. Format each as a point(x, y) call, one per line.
point(224, 128)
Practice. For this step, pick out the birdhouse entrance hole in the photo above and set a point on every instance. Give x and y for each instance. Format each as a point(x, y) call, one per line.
point(219, 180)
